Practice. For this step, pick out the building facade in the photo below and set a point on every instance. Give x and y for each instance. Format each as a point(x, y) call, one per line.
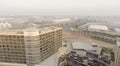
point(117, 53)
point(29, 46)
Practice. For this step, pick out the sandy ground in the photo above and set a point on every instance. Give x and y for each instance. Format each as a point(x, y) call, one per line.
point(70, 36)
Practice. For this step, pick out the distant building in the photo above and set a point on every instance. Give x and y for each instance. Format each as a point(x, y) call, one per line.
point(107, 36)
point(117, 29)
point(117, 54)
point(36, 19)
point(5, 25)
point(29, 46)
point(12, 20)
point(61, 21)
point(98, 27)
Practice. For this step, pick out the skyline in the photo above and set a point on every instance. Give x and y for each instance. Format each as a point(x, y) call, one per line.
point(60, 7)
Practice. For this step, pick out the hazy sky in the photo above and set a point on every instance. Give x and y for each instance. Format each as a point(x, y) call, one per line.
point(60, 7)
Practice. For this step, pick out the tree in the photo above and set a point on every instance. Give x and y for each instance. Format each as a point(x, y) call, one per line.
point(68, 64)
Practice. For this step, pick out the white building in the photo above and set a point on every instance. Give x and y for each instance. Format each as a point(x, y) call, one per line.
point(98, 27)
point(5, 25)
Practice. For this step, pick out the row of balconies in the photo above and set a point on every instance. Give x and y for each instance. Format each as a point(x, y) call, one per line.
point(12, 61)
point(11, 36)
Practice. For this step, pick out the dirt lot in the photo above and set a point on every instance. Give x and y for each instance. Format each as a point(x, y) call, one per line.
point(72, 36)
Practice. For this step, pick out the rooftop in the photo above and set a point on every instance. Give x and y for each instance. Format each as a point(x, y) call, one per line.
point(82, 46)
point(30, 29)
point(98, 27)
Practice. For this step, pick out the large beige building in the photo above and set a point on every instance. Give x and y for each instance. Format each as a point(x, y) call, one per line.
point(117, 53)
point(29, 46)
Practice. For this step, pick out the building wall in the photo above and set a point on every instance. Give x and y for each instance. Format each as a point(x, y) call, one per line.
point(47, 45)
point(117, 57)
point(117, 53)
point(100, 36)
point(12, 49)
point(31, 47)
point(58, 38)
